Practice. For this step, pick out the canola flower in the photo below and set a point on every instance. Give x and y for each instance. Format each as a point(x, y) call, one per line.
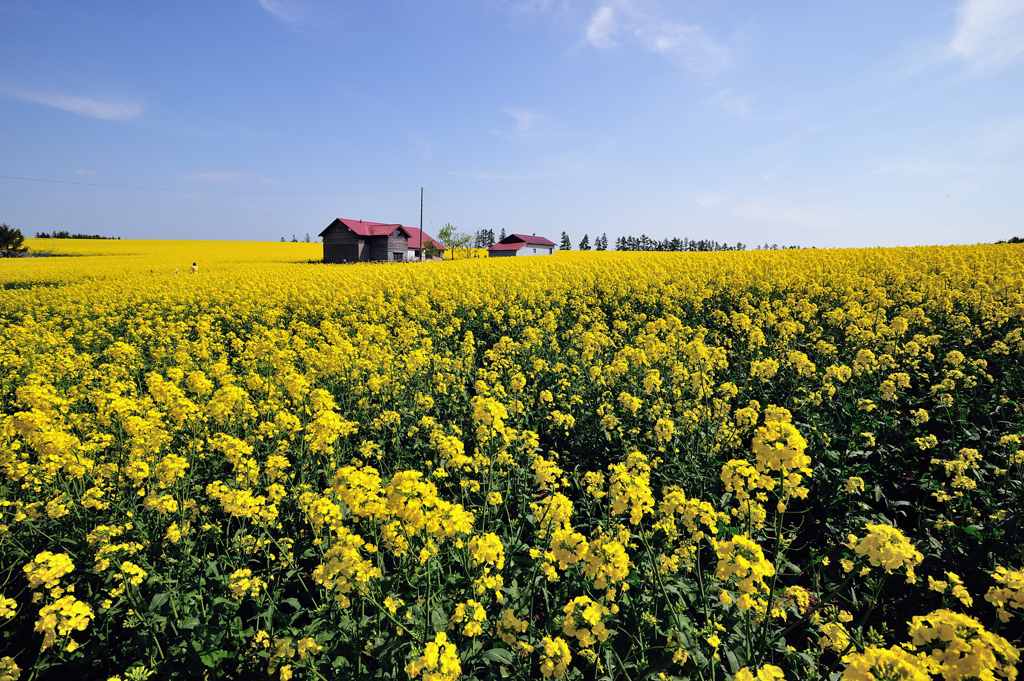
point(573, 465)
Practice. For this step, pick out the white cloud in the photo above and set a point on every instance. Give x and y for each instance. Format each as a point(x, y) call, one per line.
point(601, 31)
point(229, 177)
point(989, 33)
point(686, 44)
point(768, 211)
point(647, 24)
point(108, 110)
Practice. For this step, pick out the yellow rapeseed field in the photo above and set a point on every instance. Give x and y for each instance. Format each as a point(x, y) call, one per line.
point(738, 465)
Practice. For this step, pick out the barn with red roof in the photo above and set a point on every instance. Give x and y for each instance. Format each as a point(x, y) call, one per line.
point(521, 244)
point(361, 241)
point(418, 240)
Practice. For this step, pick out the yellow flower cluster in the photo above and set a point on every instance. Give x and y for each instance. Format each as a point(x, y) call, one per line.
point(961, 648)
point(584, 620)
point(1009, 593)
point(888, 548)
point(554, 657)
point(742, 558)
point(439, 661)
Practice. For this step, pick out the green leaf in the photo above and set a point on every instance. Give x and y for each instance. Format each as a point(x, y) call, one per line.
point(499, 655)
point(159, 600)
point(189, 623)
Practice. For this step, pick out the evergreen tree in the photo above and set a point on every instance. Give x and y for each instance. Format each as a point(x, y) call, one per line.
point(585, 243)
point(11, 242)
point(307, 237)
point(501, 237)
point(566, 244)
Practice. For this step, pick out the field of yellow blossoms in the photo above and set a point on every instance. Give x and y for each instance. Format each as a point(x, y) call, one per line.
point(715, 466)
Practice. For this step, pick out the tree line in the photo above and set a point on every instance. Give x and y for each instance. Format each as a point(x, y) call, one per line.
point(64, 234)
point(645, 243)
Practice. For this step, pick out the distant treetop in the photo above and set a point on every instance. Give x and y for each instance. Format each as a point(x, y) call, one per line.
point(64, 234)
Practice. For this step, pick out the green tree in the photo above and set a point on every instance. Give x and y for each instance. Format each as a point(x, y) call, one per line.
point(11, 242)
point(566, 244)
point(585, 243)
point(451, 238)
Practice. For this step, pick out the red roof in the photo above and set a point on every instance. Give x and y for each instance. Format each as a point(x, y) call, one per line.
point(370, 228)
point(513, 242)
point(414, 239)
point(531, 239)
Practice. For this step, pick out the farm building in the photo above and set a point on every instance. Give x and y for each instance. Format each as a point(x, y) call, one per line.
point(358, 241)
point(521, 244)
point(418, 240)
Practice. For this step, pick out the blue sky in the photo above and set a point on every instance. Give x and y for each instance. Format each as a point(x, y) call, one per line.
point(812, 123)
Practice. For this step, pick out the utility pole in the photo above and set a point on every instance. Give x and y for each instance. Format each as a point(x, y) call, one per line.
point(423, 251)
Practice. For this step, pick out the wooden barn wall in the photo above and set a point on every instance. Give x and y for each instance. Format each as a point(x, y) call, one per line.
point(335, 240)
point(384, 247)
point(398, 244)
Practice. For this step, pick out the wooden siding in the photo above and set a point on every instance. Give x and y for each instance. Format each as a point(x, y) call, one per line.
point(343, 245)
point(384, 247)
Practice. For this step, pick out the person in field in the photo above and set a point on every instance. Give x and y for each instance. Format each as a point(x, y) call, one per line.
point(194, 269)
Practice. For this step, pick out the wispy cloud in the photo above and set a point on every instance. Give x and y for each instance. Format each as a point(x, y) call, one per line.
point(732, 103)
point(104, 109)
point(989, 33)
point(529, 124)
point(602, 28)
point(646, 24)
point(524, 6)
point(281, 9)
point(1005, 138)
point(778, 147)
point(426, 149)
point(920, 167)
point(554, 167)
point(770, 211)
point(229, 177)
point(711, 200)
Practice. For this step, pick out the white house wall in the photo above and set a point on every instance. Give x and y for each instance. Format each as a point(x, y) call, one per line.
point(535, 250)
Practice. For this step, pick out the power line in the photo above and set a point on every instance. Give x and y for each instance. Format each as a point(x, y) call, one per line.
point(454, 211)
point(203, 191)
